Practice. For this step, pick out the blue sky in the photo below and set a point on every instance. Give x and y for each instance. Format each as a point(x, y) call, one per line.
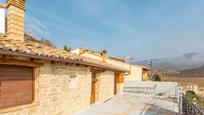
point(142, 29)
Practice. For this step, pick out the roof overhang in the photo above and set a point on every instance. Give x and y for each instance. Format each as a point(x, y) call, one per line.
point(47, 58)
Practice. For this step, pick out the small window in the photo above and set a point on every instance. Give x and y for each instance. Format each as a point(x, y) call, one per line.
point(73, 82)
point(16, 86)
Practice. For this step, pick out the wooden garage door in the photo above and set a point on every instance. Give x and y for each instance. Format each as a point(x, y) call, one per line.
point(16, 85)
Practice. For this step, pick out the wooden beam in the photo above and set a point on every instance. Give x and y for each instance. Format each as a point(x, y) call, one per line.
point(97, 70)
point(20, 62)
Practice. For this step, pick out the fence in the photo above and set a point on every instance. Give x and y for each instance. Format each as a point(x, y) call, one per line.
point(186, 107)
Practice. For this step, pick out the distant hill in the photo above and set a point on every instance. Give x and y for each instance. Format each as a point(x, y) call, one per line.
point(175, 64)
point(197, 72)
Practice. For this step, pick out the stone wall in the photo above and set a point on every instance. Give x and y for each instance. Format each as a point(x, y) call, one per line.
point(15, 22)
point(54, 94)
point(105, 86)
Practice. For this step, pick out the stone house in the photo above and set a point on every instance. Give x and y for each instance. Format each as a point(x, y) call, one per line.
point(104, 58)
point(37, 79)
point(136, 72)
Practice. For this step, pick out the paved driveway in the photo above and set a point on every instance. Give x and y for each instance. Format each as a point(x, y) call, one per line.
point(132, 104)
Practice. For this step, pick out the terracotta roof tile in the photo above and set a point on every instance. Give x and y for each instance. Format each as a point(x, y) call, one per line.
point(33, 48)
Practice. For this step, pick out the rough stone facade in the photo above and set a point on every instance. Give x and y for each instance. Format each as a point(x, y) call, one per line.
point(105, 86)
point(53, 93)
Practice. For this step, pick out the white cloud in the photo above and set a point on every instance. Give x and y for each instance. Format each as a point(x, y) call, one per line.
point(36, 26)
point(71, 27)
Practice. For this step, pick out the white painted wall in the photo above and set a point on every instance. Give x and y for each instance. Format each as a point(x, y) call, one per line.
point(2, 20)
point(135, 74)
point(169, 88)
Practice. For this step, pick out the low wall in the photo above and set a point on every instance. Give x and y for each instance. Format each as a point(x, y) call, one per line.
point(169, 88)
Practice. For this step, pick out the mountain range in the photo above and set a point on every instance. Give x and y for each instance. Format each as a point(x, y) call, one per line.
point(175, 64)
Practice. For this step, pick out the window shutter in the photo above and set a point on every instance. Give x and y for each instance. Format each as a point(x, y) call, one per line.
point(16, 85)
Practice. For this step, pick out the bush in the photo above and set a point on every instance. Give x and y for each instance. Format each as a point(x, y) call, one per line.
point(156, 77)
point(200, 102)
point(191, 95)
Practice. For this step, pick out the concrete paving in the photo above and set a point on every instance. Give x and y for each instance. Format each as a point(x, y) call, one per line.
point(134, 104)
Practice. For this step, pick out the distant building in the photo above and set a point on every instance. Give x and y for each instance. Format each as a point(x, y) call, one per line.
point(189, 87)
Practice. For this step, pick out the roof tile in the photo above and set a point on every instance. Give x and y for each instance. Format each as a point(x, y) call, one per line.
point(34, 48)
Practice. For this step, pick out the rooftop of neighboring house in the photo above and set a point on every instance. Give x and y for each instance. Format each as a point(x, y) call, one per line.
point(116, 59)
point(84, 50)
point(143, 67)
point(96, 53)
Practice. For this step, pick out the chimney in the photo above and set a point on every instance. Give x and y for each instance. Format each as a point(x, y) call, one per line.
point(15, 19)
point(104, 55)
point(81, 51)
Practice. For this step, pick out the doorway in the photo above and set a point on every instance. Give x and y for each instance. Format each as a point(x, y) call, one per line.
point(115, 84)
point(93, 88)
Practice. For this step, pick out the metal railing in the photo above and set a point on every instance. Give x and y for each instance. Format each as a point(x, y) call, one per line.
point(144, 90)
point(186, 107)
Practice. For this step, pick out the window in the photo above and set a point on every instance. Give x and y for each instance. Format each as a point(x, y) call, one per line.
point(73, 82)
point(16, 85)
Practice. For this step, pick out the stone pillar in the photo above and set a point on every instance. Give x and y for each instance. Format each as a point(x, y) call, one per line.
point(15, 19)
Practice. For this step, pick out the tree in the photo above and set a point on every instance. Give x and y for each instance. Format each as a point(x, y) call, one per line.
point(156, 77)
point(67, 48)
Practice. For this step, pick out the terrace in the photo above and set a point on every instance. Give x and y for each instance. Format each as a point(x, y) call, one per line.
point(142, 98)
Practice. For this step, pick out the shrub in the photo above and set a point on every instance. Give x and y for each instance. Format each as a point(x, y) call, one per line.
point(156, 77)
point(67, 48)
point(191, 95)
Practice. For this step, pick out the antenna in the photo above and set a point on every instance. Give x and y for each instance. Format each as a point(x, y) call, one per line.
point(128, 58)
point(151, 67)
